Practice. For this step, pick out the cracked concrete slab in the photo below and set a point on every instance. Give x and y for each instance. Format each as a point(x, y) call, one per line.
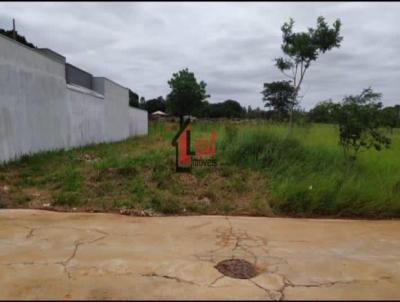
point(48, 255)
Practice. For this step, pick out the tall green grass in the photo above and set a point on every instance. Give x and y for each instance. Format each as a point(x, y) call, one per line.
point(307, 174)
point(303, 170)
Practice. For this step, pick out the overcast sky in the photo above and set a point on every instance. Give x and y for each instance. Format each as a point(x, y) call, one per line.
point(230, 46)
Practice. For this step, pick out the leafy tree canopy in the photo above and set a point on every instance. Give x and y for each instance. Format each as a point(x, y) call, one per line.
point(304, 47)
point(186, 93)
point(142, 103)
point(359, 123)
point(227, 109)
point(391, 117)
point(133, 99)
point(324, 112)
point(155, 105)
point(301, 48)
point(19, 38)
point(277, 95)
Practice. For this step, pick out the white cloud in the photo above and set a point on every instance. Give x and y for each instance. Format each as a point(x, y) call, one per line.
point(231, 46)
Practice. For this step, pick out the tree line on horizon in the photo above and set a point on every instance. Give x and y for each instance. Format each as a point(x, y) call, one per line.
point(323, 112)
point(226, 109)
point(360, 118)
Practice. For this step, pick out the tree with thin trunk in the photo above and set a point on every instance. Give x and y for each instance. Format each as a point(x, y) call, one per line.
point(360, 124)
point(186, 94)
point(277, 96)
point(302, 48)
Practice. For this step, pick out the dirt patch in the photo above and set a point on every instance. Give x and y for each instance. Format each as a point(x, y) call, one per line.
point(4, 195)
point(186, 179)
point(237, 268)
point(37, 198)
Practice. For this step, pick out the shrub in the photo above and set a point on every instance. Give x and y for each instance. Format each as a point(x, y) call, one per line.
point(66, 198)
point(359, 122)
point(166, 205)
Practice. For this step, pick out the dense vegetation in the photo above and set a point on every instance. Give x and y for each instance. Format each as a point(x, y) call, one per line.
point(261, 171)
point(308, 175)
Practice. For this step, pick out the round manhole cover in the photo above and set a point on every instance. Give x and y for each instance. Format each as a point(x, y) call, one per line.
point(237, 268)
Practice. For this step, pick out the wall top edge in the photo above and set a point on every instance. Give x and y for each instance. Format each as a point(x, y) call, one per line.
point(34, 50)
point(85, 91)
point(55, 58)
point(135, 108)
point(111, 81)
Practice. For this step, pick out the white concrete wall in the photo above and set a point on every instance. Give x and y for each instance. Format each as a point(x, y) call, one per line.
point(32, 101)
point(138, 122)
point(116, 111)
point(39, 111)
point(86, 112)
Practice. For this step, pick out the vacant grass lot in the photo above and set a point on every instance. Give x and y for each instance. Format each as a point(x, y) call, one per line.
point(261, 171)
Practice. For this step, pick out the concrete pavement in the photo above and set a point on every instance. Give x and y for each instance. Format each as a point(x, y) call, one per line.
point(48, 255)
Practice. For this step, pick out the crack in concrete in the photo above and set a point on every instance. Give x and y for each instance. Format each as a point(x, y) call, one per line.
point(288, 283)
point(333, 283)
point(324, 284)
point(77, 244)
point(216, 279)
point(240, 241)
point(261, 287)
point(180, 280)
point(30, 230)
point(152, 275)
point(26, 263)
point(30, 234)
point(239, 244)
